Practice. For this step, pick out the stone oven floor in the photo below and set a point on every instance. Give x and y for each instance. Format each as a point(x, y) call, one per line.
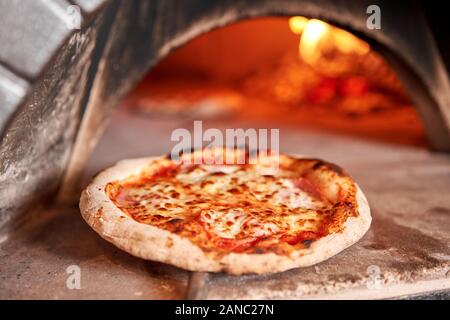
point(406, 252)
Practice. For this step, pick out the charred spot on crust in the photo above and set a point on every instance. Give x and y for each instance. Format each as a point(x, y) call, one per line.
point(174, 225)
point(218, 174)
point(343, 204)
point(98, 213)
point(184, 151)
point(192, 149)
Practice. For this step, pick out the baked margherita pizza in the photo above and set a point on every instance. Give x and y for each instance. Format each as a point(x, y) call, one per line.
point(238, 218)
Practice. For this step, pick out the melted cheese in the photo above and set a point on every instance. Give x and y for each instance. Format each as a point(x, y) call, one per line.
point(295, 197)
point(235, 202)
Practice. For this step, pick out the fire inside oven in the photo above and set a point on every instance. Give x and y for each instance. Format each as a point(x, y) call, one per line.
point(278, 72)
point(332, 95)
point(319, 84)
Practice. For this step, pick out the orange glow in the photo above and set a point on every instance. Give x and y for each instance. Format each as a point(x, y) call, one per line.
point(293, 71)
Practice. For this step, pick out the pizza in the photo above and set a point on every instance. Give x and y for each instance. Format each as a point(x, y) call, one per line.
point(239, 218)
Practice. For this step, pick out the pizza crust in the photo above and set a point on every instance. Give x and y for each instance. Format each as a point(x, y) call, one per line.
point(152, 243)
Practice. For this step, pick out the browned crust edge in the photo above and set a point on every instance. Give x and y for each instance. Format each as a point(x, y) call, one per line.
point(149, 242)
